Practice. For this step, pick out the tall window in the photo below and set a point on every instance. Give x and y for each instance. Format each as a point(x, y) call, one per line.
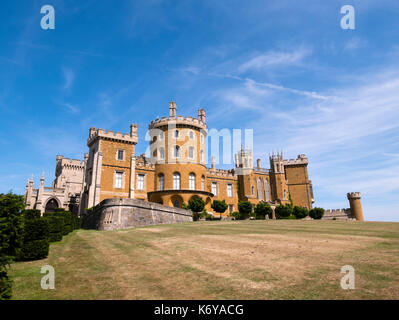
point(202, 138)
point(118, 179)
point(176, 133)
point(191, 152)
point(121, 154)
point(230, 190)
point(191, 181)
point(177, 152)
point(202, 156)
point(161, 136)
point(285, 194)
point(203, 183)
point(162, 153)
point(140, 182)
point(161, 182)
point(215, 188)
point(191, 135)
point(176, 181)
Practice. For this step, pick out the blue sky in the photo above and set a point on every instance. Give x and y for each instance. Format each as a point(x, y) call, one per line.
point(285, 69)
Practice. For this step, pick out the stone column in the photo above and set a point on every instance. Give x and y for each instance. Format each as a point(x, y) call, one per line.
point(98, 179)
point(132, 176)
point(274, 213)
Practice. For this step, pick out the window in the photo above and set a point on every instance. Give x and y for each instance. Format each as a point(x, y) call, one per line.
point(202, 138)
point(176, 181)
point(118, 179)
point(121, 154)
point(202, 156)
point(161, 135)
point(162, 153)
point(285, 194)
point(203, 183)
point(229, 190)
point(191, 181)
point(177, 152)
point(176, 133)
point(191, 135)
point(191, 152)
point(140, 182)
point(253, 190)
point(161, 182)
point(215, 188)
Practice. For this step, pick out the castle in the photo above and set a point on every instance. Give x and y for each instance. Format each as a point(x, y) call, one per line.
point(175, 171)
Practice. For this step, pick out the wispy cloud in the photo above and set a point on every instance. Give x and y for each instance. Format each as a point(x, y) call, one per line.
point(69, 77)
point(275, 58)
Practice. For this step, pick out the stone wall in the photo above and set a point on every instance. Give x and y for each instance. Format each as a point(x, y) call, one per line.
point(338, 214)
point(116, 214)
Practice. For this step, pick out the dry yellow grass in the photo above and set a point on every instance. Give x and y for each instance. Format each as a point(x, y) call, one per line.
point(283, 259)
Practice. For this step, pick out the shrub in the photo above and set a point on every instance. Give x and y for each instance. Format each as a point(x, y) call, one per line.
point(300, 212)
point(316, 213)
point(31, 214)
point(56, 225)
point(219, 206)
point(245, 209)
point(35, 240)
point(284, 211)
point(5, 281)
point(209, 217)
point(11, 206)
point(290, 217)
point(236, 215)
point(196, 204)
point(262, 209)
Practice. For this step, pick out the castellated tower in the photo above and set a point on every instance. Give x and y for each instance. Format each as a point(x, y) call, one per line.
point(355, 205)
point(278, 180)
point(177, 149)
point(110, 168)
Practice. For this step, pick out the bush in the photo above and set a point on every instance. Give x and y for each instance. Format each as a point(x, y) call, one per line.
point(262, 210)
point(31, 214)
point(56, 225)
point(5, 281)
point(300, 212)
point(219, 206)
point(35, 240)
point(245, 209)
point(209, 217)
point(291, 217)
point(284, 211)
point(196, 204)
point(236, 215)
point(316, 213)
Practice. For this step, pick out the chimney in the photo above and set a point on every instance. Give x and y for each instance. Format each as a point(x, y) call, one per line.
point(133, 129)
point(201, 115)
point(172, 109)
point(213, 163)
point(258, 163)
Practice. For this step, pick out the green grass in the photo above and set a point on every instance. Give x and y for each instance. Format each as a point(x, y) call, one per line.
point(283, 259)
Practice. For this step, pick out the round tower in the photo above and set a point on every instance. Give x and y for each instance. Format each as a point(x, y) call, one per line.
point(355, 205)
point(177, 148)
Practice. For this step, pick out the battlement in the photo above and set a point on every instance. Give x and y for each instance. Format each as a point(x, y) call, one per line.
point(354, 195)
point(300, 160)
point(179, 120)
point(142, 162)
point(95, 134)
point(67, 162)
point(338, 214)
point(220, 172)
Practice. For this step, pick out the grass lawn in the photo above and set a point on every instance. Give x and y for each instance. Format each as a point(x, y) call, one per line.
point(283, 259)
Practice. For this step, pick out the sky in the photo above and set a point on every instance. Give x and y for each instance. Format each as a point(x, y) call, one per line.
point(284, 69)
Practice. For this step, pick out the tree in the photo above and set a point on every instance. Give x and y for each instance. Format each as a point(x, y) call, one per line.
point(11, 207)
point(219, 206)
point(300, 212)
point(284, 211)
point(196, 205)
point(262, 209)
point(316, 213)
point(245, 209)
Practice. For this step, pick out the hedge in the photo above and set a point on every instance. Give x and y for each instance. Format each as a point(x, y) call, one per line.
point(56, 226)
point(35, 240)
point(316, 213)
point(31, 214)
point(300, 212)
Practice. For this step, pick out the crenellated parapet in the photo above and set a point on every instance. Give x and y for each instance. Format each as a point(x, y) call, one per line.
point(338, 214)
point(130, 138)
point(354, 195)
point(70, 163)
point(178, 121)
point(300, 160)
point(220, 173)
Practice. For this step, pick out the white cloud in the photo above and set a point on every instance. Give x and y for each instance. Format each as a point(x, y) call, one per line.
point(69, 77)
point(275, 58)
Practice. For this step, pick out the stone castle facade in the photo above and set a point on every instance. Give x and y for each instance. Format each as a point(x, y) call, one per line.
point(175, 171)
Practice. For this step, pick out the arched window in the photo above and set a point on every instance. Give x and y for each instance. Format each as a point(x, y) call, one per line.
point(253, 190)
point(191, 181)
point(177, 152)
point(161, 182)
point(191, 152)
point(267, 190)
point(176, 133)
point(162, 153)
point(203, 183)
point(285, 194)
point(176, 181)
point(191, 135)
point(260, 189)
